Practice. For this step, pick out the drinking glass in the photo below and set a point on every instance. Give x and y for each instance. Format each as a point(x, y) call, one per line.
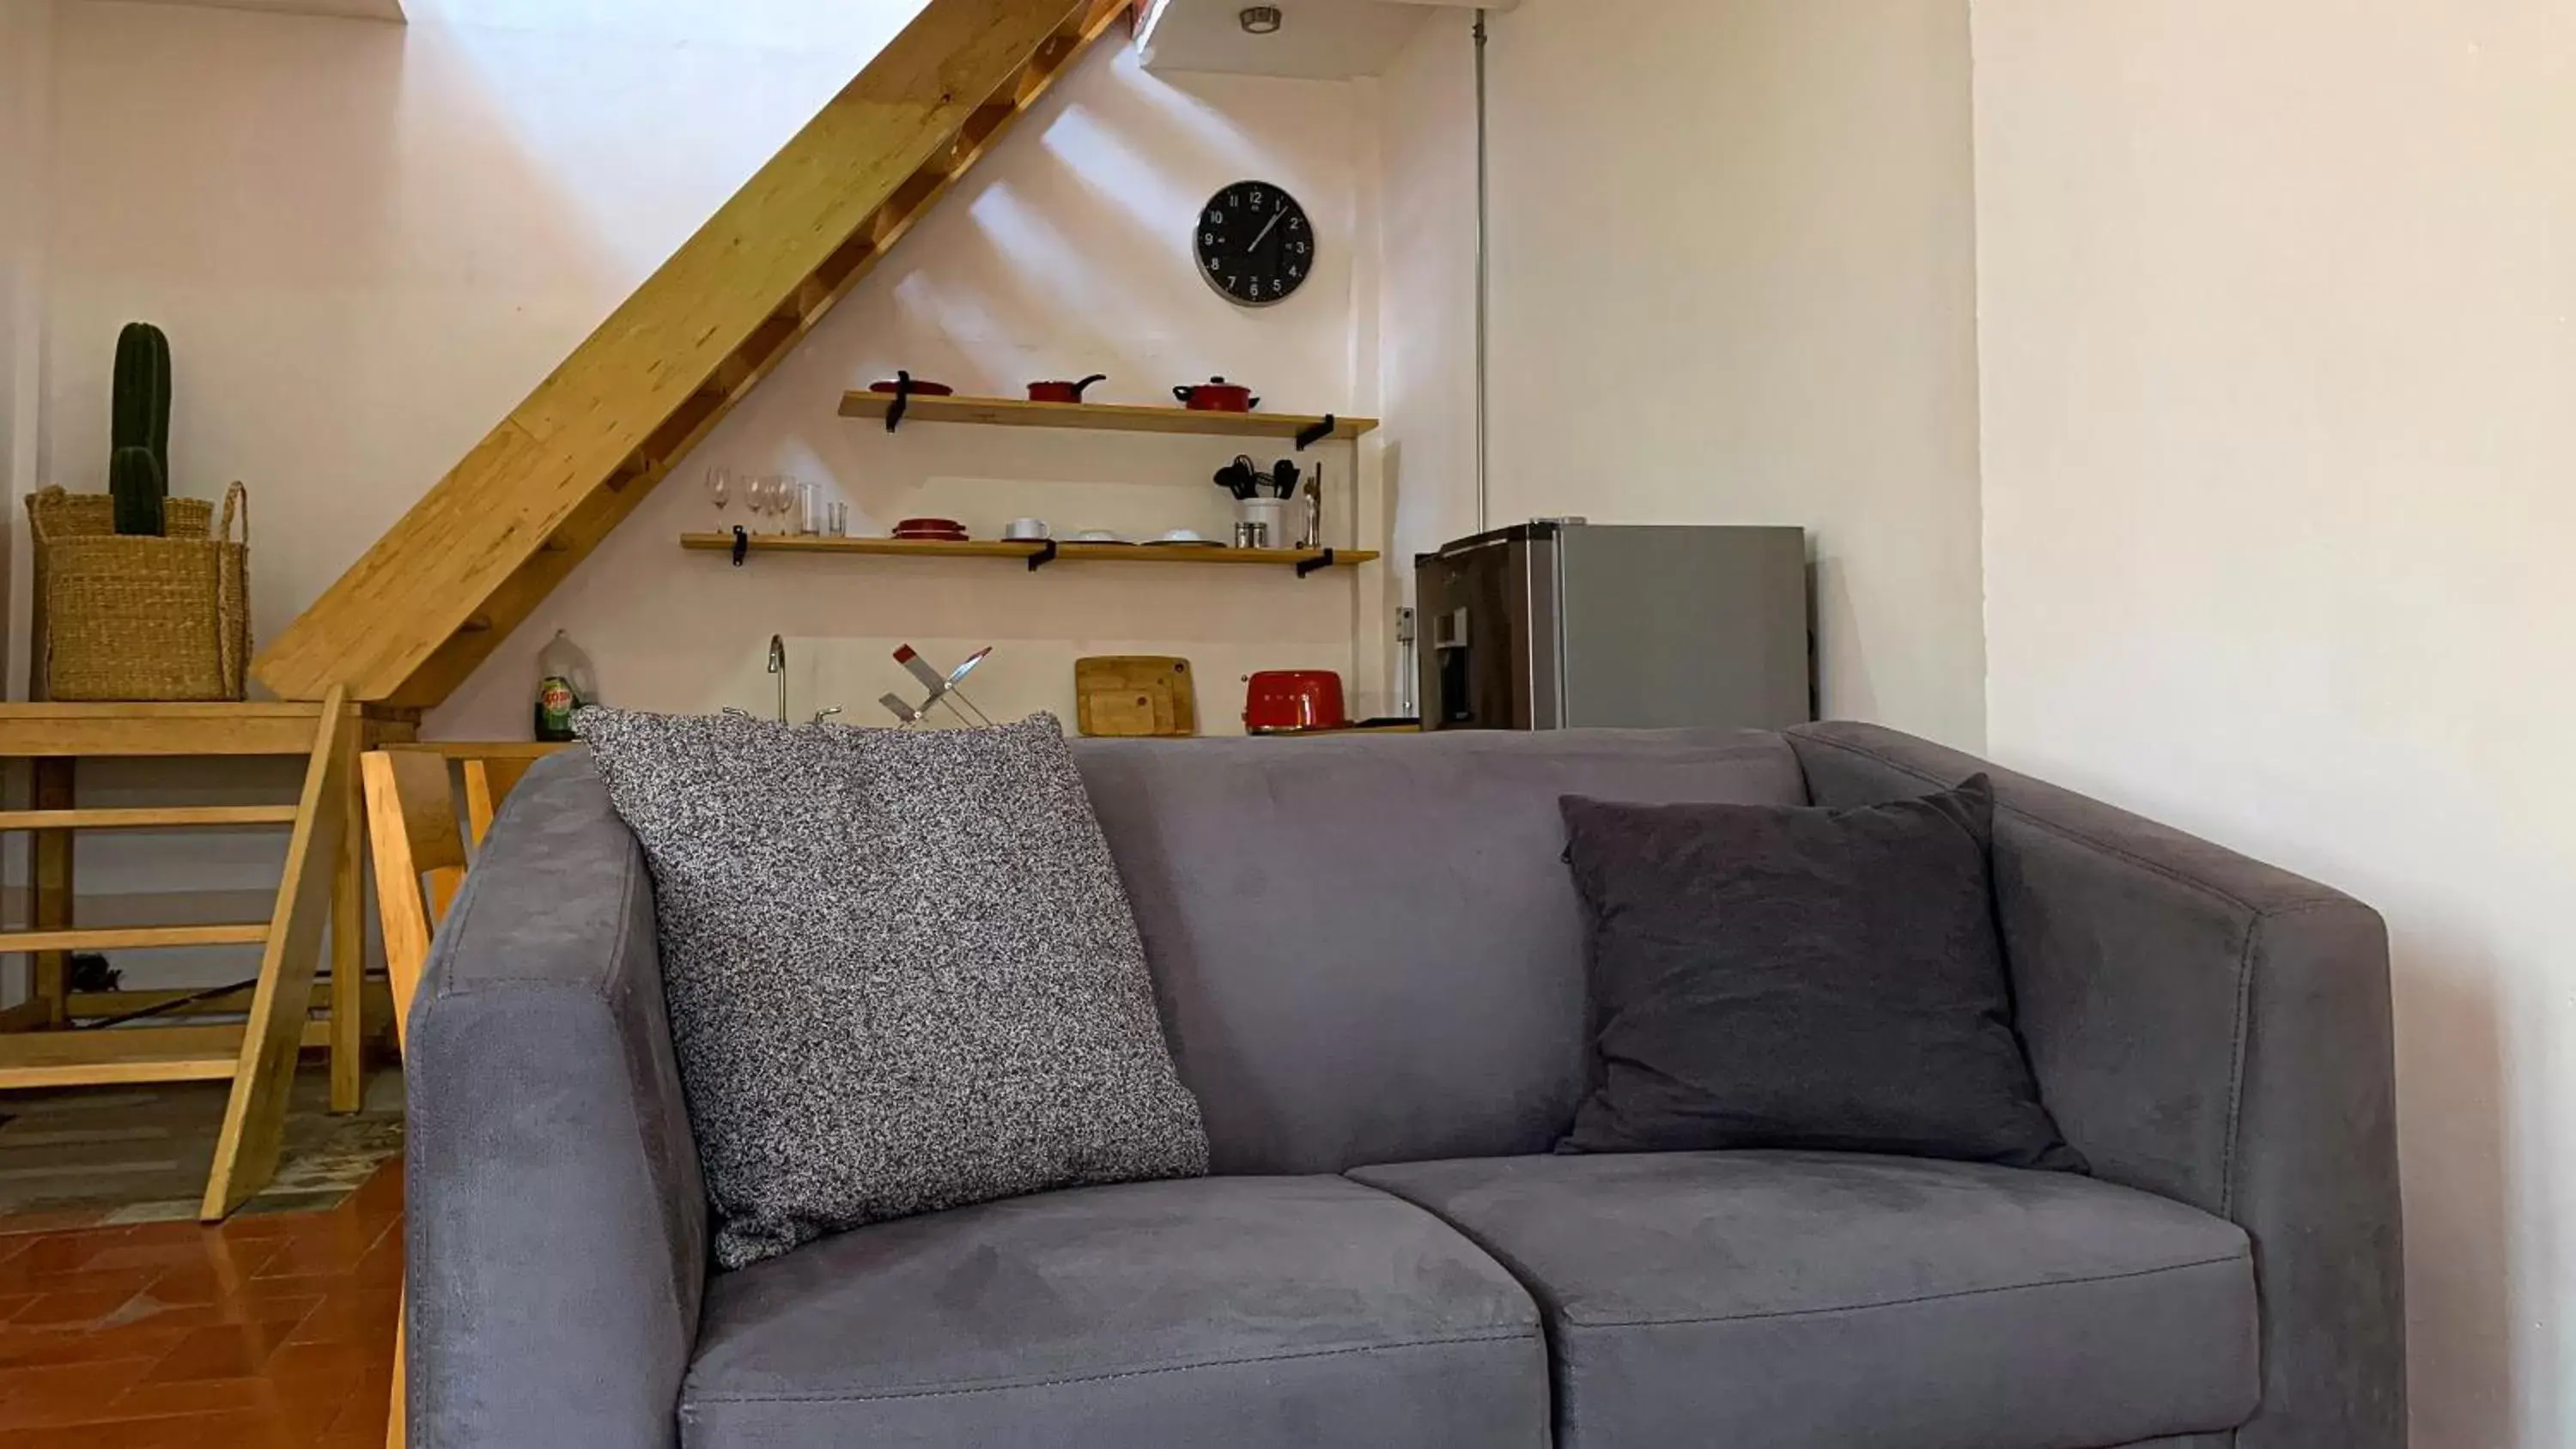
point(782, 497)
point(720, 489)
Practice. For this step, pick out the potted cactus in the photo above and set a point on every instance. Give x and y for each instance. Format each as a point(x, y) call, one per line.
point(140, 595)
point(138, 463)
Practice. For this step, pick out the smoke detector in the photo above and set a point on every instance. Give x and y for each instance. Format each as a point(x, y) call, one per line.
point(1261, 20)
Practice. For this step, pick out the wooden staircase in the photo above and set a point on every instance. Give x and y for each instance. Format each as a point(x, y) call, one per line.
point(47, 1048)
point(431, 600)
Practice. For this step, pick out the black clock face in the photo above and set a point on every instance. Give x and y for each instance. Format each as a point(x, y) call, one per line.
point(1255, 244)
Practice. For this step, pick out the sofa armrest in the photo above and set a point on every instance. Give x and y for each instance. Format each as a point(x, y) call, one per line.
point(2211, 1029)
point(557, 1235)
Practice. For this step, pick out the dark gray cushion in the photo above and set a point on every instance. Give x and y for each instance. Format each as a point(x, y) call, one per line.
point(1367, 948)
point(1244, 1313)
point(901, 971)
point(1810, 1301)
point(1800, 977)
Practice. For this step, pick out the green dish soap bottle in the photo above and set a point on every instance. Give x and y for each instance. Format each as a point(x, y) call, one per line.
point(564, 684)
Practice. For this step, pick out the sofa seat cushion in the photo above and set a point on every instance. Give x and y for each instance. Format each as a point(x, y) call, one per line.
point(1782, 1300)
point(1242, 1312)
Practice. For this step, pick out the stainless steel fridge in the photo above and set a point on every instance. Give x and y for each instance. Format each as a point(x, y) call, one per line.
point(1563, 625)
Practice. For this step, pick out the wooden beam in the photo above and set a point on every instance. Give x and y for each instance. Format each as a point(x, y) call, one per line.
point(53, 1059)
point(147, 819)
point(488, 782)
point(526, 751)
point(255, 1117)
point(89, 730)
point(98, 1058)
point(573, 459)
point(93, 1005)
point(50, 863)
point(134, 938)
point(348, 983)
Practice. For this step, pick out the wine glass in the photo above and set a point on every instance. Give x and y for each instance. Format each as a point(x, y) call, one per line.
point(782, 497)
point(720, 489)
point(755, 498)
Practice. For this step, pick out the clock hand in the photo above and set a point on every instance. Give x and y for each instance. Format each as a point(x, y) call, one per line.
point(1275, 218)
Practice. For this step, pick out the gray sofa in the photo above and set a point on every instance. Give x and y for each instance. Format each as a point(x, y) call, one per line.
point(1369, 959)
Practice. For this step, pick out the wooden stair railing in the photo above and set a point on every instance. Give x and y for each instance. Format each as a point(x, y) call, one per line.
point(431, 600)
point(321, 885)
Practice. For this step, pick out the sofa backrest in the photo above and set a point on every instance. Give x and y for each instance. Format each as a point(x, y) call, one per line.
point(1368, 948)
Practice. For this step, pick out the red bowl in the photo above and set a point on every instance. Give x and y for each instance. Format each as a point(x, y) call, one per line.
point(930, 525)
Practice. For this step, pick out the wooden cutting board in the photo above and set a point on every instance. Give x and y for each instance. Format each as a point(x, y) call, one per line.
point(1135, 696)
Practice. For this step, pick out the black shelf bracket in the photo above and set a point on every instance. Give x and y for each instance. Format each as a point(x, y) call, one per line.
point(1044, 556)
point(902, 401)
point(1318, 431)
point(741, 544)
point(1309, 566)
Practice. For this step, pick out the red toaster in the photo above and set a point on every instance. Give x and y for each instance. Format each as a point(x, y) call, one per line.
point(1287, 701)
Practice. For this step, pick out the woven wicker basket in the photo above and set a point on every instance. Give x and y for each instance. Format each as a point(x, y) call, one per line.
point(126, 617)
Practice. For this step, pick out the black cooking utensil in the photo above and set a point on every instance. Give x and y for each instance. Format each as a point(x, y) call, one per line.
point(1240, 478)
point(1283, 478)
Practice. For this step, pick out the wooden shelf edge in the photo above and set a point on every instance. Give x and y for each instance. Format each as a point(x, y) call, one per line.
point(1003, 412)
point(1065, 552)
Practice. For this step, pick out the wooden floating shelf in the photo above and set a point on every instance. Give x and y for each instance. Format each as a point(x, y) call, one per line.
point(1099, 417)
point(1133, 553)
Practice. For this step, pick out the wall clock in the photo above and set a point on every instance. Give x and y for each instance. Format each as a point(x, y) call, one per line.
point(1256, 245)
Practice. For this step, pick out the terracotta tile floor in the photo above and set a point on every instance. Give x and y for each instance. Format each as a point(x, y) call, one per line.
point(266, 1331)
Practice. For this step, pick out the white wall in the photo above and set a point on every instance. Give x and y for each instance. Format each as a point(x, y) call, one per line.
point(1428, 150)
point(26, 94)
point(1734, 282)
point(1066, 252)
point(2280, 458)
point(367, 241)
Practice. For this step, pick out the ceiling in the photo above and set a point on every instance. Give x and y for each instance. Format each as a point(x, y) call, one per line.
point(352, 9)
point(1317, 40)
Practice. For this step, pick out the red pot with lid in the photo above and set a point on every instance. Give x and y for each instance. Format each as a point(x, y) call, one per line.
point(1216, 395)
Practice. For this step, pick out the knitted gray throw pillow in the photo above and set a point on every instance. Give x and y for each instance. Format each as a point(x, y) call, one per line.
point(902, 971)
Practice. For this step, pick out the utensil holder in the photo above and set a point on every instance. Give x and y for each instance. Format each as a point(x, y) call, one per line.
point(1271, 513)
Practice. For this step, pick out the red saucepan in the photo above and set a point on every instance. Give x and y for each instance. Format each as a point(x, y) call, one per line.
point(1216, 395)
point(1064, 392)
